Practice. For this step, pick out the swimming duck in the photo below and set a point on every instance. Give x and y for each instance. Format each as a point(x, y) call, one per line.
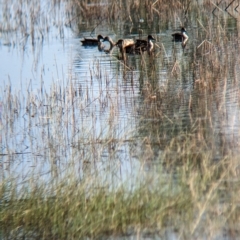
point(112, 44)
point(92, 41)
point(126, 45)
point(123, 44)
point(181, 37)
point(144, 45)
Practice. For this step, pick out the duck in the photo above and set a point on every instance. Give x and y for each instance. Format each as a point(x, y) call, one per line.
point(111, 42)
point(123, 44)
point(126, 45)
point(181, 37)
point(142, 45)
point(92, 41)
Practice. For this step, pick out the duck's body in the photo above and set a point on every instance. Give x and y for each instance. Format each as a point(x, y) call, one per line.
point(144, 45)
point(180, 37)
point(92, 41)
point(126, 45)
point(130, 46)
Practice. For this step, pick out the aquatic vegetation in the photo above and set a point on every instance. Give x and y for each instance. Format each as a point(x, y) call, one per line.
point(148, 146)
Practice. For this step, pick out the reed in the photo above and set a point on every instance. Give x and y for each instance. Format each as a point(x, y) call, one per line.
point(67, 175)
point(70, 208)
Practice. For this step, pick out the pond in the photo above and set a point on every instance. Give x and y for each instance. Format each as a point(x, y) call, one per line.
point(68, 109)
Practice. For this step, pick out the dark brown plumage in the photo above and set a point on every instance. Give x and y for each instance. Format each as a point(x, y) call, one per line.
point(144, 45)
point(92, 41)
point(180, 36)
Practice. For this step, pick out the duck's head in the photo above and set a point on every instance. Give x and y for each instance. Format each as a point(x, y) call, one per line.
point(106, 39)
point(100, 37)
point(119, 43)
point(184, 33)
point(151, 38)
point(183, 30)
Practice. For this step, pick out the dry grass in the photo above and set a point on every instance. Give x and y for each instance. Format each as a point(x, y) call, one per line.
point(79, 178)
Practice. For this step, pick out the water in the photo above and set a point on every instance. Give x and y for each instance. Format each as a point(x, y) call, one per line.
point(76, 107)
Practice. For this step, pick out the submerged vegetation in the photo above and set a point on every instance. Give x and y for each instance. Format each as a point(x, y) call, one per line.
point(153, 153)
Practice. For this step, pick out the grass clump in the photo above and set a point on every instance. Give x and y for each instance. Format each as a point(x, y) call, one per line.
point(181, 197)
point(71, 213)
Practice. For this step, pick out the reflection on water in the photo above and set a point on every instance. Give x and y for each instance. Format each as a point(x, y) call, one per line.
point(71, 105)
